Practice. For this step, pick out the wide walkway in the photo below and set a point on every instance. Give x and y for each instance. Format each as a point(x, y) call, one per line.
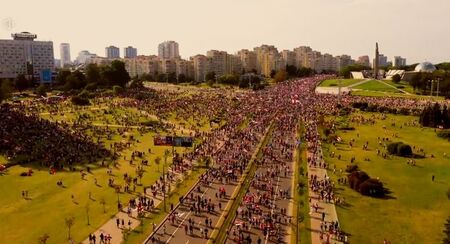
point(328, 208)
point(116, 233)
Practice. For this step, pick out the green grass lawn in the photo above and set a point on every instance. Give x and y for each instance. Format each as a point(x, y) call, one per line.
point(403, 85)
point(50, 204)
point(335, 82)
point(301, 227)
point(26, 220)
point(418, 208)
point(374, 85)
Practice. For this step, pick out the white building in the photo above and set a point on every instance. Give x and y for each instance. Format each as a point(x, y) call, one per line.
point(84, 57)
point(130, 52)
point(64, 49)
point(112, 52)
point(168, 50)
point(24, 55)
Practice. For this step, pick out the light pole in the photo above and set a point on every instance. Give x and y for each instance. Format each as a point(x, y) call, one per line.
point(431, 89)
point(339, 90)
point(437, 90)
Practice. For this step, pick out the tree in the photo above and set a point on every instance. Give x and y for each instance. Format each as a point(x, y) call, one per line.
point(280, 76)
point(396, 78)
point(92, 73)
point(305, 72)
point(182, 78)
point(69, 223)
point(62, 76)
point(121, 76)
point(118, 90)
point(161, 78)
point(272, 73)
point(103, 202)
point(158, 161)
point(229, 79)
point(21, 82)
point(5, 90)
point(87, 213)
point(73, 82)
point(447, 232)
point(291, 70)
point(41, 90)
point(43, 239)
point(172, 77)
point(346, 71)
point(210, 76)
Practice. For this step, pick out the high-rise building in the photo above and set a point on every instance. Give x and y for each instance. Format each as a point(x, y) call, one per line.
point(168, 66)
point(200, 67)
point(24, 55)
point(168, 50)
point(233, 64)
point(288, 57)
point(217, 62)
point(130, 52)
point(112, 52)
point(248, 60)
point(64, 49)
point(344, 61)
point(364, 60)
point(266, 59)
point(399, 61)
point(301, 55)
point(141, 65)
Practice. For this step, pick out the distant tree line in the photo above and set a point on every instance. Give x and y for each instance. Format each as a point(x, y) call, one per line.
point(94, 76)
point(435, 116)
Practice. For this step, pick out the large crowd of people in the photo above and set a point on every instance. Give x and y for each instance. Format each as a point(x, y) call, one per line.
point(242, 121)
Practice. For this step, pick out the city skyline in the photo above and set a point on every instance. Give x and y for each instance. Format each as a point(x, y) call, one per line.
point(199, 27)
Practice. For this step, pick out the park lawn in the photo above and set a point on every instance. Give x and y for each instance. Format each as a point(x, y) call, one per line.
point(45, 213)
point(374, 85)
point(390, 94)
point(418, 207)
point(402, 85)
point(335, 82)
point(301, 227)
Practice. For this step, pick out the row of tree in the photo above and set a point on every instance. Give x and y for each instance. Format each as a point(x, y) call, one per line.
point(94, 76)
point(435, 116)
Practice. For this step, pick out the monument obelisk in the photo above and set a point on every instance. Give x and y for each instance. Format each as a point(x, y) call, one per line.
point(376, 63)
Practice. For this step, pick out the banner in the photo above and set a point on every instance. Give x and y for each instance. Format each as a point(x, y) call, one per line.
point(177, 141)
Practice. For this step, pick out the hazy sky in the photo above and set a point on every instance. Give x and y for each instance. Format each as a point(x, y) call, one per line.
point(416, 29)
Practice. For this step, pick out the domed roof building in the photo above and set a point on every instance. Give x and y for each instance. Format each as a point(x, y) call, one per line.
point(425, 67)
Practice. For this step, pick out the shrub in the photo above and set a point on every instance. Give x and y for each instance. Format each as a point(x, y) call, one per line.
point(85, 94)
point(91, 86)
point(392, 147)
point(444, 134)
point(372, 187)
point(400, 149)
point(356, 178)
point(396, 78)
point(117, 89)
point(80, 101)
point(351, 168)
point(41, 90)
point(404, 150)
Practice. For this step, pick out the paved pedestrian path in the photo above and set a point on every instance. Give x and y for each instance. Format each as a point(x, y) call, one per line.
point(116, 233)
point(328, 208)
